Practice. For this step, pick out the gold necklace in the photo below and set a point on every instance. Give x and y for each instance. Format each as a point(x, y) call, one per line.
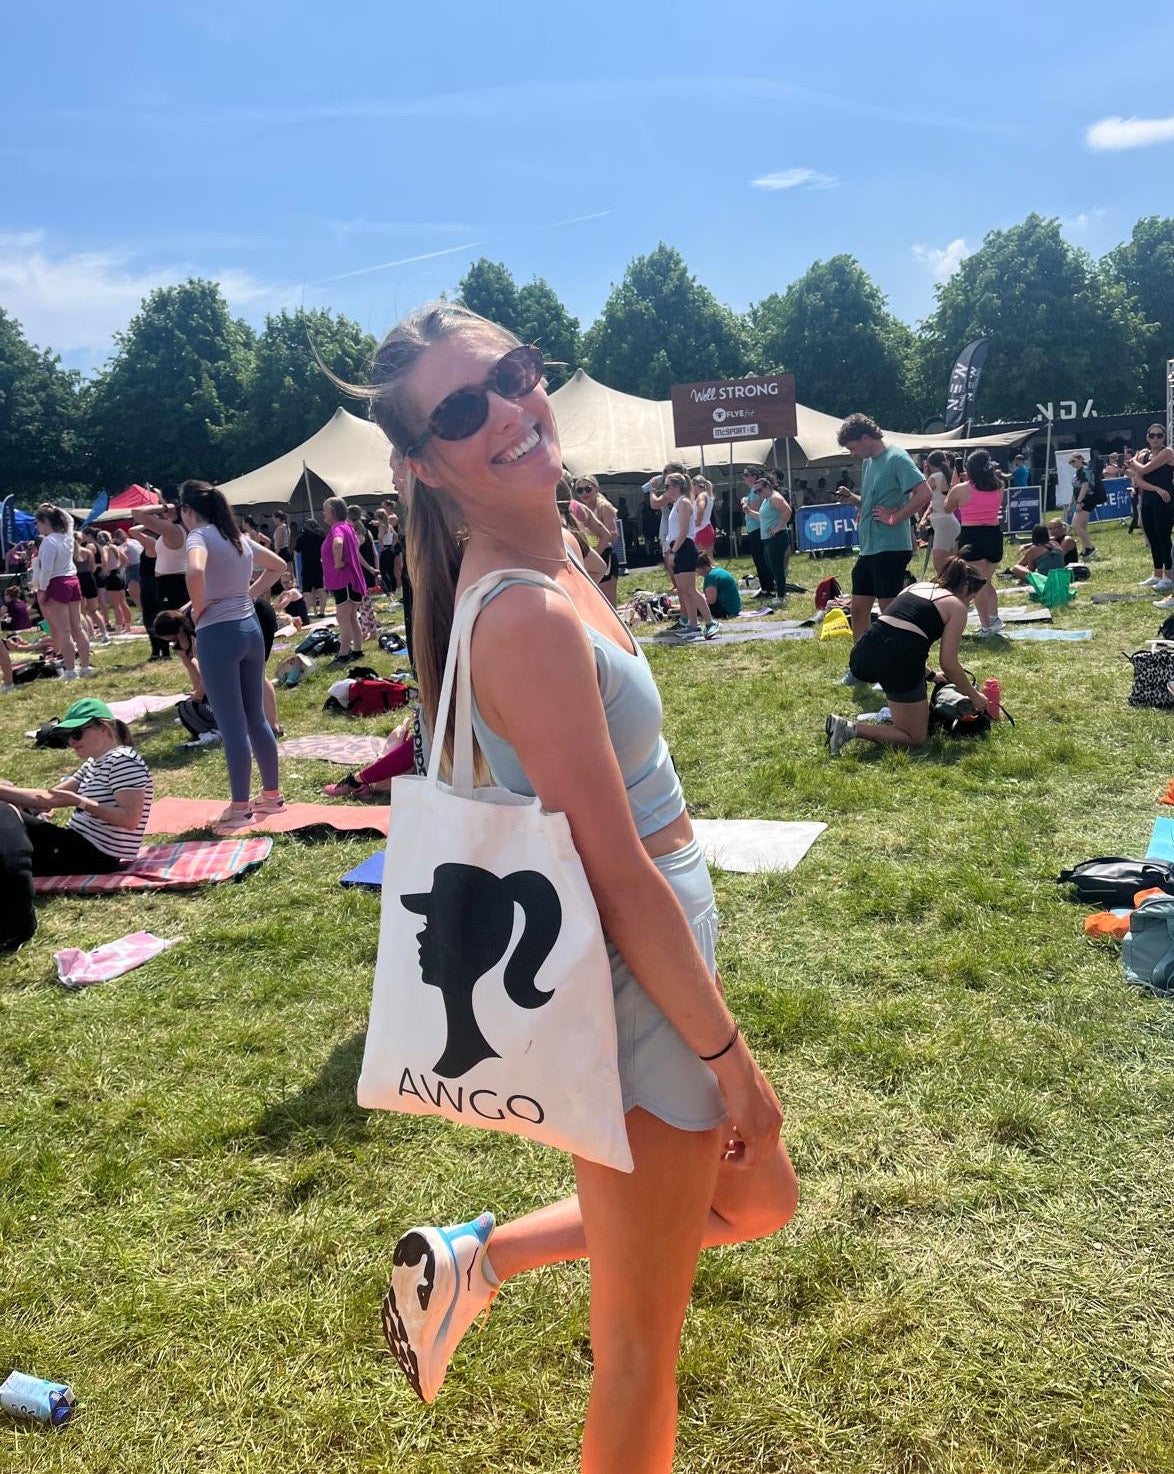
point(564, 561)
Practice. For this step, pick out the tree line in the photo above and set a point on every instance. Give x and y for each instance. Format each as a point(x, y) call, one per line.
point(191, 390)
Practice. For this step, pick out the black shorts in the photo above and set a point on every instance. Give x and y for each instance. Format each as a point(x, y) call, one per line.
point(611, 558)
point(346, 595)
point(880, 574)
point(981, 544)
point(88, 584)
point(685, 558)
point(895, 658)
point(115, 583)
point(267, 619)
point(58, 850)
point(311, 578)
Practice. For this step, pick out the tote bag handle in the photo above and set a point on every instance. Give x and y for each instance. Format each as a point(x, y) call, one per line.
point(457, 675)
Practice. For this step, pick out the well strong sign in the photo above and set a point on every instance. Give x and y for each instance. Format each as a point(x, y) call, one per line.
point(734, 409)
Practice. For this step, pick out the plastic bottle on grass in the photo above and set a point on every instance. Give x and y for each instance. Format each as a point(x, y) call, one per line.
point(990, 689)
point(37, 1401)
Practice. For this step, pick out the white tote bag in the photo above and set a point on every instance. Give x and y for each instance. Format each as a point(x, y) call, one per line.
point(492, 1002)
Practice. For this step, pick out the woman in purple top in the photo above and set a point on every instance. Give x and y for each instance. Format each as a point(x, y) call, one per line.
point(342, 575)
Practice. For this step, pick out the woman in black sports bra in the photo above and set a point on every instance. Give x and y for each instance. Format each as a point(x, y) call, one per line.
point(894, 651)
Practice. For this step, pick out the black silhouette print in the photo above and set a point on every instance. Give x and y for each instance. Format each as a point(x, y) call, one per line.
point(470, 919)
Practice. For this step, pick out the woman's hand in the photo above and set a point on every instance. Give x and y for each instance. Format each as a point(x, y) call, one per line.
point(751, 1103)
point(64, 798)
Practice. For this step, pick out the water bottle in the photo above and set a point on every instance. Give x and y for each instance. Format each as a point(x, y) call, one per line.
point(51, 1403)
point(990, 689)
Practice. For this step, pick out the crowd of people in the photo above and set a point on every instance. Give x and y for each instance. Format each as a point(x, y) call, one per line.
point(478, 452)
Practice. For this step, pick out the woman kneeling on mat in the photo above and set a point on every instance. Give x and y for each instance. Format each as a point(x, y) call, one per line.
point(110, 795)
point(894, 651)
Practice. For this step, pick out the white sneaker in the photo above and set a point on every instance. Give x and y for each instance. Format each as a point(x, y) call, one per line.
point(1149, 583)
point(994, 628)
point(1167, 603)
point(67, 675)
point(848, 679)
point(1164, 586)
point(87, 670)
point(839, 731)
point(438, 1289)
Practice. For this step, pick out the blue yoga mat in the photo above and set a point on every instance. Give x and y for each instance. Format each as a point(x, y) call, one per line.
point(1161, 841)
point(1047, 633)
point(368, 873)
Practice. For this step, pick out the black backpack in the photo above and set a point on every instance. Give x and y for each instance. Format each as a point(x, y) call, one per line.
point(196, 716)
point(319, 642)
point(1111, 881)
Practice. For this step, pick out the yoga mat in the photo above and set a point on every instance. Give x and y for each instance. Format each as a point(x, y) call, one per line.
point(176, 815)
point(179, 866)
point(739, 637)
point(351, 751)
point(1021, 614)
point(1161, 841)
point(1034, 634)
point(746, 846)
point(137, 706)
point(743, 846)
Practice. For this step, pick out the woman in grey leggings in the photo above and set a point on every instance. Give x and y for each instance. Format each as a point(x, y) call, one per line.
point(231, 648)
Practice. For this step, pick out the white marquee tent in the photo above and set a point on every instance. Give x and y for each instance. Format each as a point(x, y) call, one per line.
point(604, 432)
point(349, 455)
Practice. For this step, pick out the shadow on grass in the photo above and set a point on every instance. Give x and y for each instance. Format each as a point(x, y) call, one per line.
point(322, 1113)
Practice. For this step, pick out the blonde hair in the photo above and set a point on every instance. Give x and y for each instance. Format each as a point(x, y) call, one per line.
point(435, 533)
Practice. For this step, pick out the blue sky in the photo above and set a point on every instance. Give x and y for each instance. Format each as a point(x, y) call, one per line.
point(292, 151)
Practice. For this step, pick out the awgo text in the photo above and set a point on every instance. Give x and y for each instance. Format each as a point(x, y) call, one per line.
point(487, 1104)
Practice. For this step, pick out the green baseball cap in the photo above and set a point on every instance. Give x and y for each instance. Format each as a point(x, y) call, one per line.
point(86, 710)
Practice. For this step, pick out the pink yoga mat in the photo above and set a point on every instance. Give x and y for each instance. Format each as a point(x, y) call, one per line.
point(176, 815)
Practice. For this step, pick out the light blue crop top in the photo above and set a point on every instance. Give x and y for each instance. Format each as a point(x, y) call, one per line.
point(631, 705)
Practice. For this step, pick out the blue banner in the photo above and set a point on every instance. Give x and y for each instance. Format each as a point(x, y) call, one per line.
point(1022, 508)
point(826, 529)
point(1117, 503)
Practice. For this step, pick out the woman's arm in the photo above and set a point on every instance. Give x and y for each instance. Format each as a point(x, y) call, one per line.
point(955, 627)
point(192, 666)
point(958, 496)
point(558, 728)
point(337, 551)
point(781, 504)
point(124, 813)
point(266, 558)
point(166, 528)
point(37, 799)
point(197, 562)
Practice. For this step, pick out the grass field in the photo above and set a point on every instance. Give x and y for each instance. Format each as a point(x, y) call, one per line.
point(196, 1219)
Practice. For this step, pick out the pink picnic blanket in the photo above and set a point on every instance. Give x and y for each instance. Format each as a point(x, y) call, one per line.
point(180, 866)
point(78, 969)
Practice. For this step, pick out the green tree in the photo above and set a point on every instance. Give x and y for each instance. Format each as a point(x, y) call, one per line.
point(1144, 265)
point(489, 288)
point(41, 446)
point(288, 396)
point(543, 319)
point(832, 329)
point(163, 406)
point(660, 327)
point(1060, 326)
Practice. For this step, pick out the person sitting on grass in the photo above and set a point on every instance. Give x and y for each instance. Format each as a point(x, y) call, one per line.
point(291, 601)
point(15, 614)
point(110, 795)
point(1041, 549)
point(720, 588)
point(1063, 540)
point(895, 650)
point(373, 783)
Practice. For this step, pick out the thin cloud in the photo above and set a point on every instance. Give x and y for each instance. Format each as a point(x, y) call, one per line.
point(795, 179)
point(578, 219)
point(75, 303)
point(345, 229)
point(1115, 134)
point(402, 261)
point(942, 261)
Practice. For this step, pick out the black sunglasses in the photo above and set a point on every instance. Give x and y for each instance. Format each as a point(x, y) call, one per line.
point(77, 733)
point(1155, 435)
point(463, 412)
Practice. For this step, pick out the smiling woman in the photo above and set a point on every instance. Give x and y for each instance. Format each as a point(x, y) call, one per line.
point(467, 402)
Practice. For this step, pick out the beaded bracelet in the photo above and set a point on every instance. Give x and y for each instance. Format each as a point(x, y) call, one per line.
point(725, 1049)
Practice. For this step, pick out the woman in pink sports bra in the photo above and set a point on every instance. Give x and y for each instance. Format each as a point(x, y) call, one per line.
point(978, 504)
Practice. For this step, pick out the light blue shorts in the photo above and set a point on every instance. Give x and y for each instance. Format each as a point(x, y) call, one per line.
point(658, 1070)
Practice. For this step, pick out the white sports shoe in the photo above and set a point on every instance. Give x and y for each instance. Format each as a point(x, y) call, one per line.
point(1149, 583)
point(838, 731)
point(1163, 586)
point(438, 1289)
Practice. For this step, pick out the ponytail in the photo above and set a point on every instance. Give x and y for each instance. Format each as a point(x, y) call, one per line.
point(958, 577)
point(208, 502)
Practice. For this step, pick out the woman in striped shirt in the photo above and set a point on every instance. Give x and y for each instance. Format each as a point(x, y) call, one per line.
point(110, 795)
